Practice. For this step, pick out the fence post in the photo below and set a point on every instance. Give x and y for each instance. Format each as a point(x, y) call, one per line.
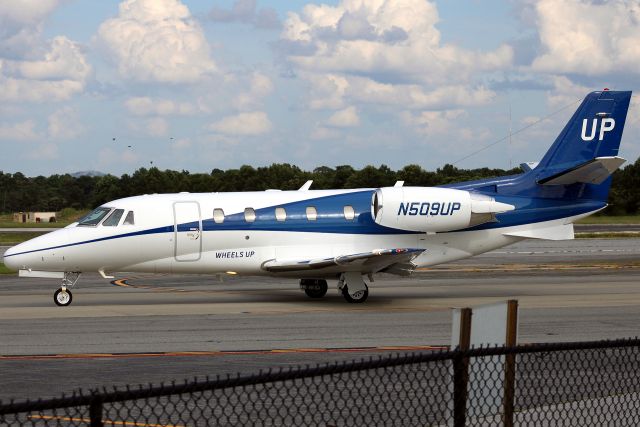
point(461, 370)
point(510, 363)
point(95, 412)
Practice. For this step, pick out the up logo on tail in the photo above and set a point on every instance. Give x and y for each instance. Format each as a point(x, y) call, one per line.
point(606, 125)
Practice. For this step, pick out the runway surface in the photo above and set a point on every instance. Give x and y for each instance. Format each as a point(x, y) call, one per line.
point(568, 291)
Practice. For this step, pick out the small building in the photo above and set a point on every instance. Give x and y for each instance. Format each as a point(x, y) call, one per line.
point(34, 217)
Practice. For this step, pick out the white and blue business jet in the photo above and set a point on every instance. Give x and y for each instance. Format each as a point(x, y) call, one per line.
point(343, 235)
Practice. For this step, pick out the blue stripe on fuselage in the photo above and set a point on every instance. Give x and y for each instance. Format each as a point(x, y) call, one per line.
point(330, 217)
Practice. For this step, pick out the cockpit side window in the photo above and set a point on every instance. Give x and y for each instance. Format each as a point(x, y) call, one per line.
point(128, 220)
point(94, 217)
point(114, 219)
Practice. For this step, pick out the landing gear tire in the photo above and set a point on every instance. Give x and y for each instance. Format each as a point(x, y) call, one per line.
point(62, 297)
point(357, 296)
point(314, 288)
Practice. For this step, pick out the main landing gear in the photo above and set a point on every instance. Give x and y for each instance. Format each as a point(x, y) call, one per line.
point(314, 288)
point(353, 287)
point(63, 297)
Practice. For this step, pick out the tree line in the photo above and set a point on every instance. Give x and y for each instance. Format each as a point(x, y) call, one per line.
point(56, 192)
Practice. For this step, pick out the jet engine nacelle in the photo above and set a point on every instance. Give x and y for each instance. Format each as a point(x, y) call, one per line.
point(432, 209)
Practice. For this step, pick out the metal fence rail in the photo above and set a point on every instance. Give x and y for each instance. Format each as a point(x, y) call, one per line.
point(590, 383)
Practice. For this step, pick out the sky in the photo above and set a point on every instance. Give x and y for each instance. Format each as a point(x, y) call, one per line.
point(113, 86)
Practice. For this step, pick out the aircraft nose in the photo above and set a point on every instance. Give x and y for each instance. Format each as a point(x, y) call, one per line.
point(10, 259)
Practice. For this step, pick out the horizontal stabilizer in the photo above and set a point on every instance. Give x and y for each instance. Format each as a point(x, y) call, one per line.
point(595, 171)
point(385, 257)
point(556, 232)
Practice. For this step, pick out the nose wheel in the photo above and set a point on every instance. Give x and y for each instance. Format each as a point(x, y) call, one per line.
point(62, 297)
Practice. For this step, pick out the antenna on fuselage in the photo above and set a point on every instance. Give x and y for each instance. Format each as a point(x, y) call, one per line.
point(306, 185)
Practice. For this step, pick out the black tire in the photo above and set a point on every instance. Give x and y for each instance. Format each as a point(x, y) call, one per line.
point(314, 288)
point(60, 300)
point(360, 298)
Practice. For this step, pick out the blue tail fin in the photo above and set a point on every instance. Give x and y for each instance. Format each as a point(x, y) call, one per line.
point(589, 140)
point(595, 130)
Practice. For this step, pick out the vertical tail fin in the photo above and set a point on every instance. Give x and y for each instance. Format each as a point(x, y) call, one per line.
point(595, 130)
point(588, 145)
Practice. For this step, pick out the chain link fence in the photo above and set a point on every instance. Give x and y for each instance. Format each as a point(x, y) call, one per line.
point(591, 383)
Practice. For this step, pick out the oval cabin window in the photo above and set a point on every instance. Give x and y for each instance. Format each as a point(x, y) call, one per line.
point(312, 213)
point(218, 216)
point(249, 215)
point(281, 214)
point(349, 213)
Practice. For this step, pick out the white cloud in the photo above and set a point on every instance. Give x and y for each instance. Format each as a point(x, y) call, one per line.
point(246, 124)
point(385, 55)
point(64, 124)
point(259, 87)
point(32, 69)
point(27, 11)
point(565, 92)
point(393, 39)
point(152, 127)
point(245, 11)
point(157, 40)
point(22, 131)
point(586, 37)
point(433, 122)
point(330, 91)
point(63, 61)
point(146, 106)
point(344, 118)
point(321, 132)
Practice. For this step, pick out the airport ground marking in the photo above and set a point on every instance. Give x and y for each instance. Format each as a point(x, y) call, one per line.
point(105, 422)
point(223, 352)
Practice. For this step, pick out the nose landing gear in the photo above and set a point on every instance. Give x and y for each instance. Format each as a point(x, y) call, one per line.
point(63, 297)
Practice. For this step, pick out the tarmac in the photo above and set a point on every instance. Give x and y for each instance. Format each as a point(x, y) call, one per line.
point(145, 328)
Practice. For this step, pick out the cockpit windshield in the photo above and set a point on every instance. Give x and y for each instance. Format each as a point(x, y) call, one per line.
point(94, 217)
point(114, 218)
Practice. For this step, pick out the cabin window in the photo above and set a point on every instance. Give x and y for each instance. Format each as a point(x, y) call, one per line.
point(349, 213)
point(128, 220)
point(218, 216)
point(94, 217)
point(312, 213)
point(113, 219)
point(281, 214)
point(249, 215)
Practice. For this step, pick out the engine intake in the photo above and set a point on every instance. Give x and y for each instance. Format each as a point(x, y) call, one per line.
point(432, 209)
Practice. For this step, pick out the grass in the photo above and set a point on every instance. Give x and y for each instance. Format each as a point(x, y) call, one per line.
point(621, 235)
point(8, 239)
point(5, 270)
point(621, 219)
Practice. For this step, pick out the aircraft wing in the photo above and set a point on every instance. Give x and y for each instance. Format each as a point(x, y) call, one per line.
point(382, 258)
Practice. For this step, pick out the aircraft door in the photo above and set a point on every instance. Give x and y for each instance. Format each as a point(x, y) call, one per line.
point(187, 231)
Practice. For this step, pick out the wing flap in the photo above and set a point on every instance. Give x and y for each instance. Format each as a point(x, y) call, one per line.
point(383, 257)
